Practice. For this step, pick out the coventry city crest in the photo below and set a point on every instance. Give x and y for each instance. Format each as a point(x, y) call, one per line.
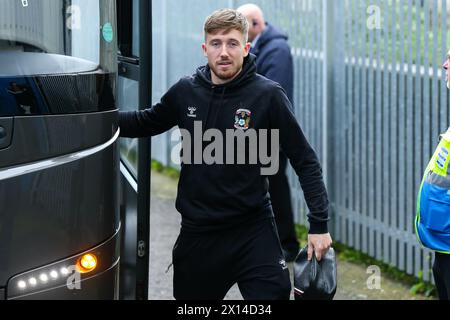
point(242, 119)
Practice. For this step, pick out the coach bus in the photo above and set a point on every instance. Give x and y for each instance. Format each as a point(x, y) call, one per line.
point(71, 223)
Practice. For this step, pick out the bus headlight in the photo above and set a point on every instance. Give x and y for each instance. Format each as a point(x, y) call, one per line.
point(87, 263)
point(68, 272)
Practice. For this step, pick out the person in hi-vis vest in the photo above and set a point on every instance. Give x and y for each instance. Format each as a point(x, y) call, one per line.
point(433, 208)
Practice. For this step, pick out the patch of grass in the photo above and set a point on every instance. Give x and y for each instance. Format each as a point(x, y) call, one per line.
point(346, 253)
point(171, 173)
point(157, 166)
point(165, 170)
point(302, 235)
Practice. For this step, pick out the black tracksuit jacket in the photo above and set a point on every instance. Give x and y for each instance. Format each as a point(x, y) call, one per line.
point(215, 196)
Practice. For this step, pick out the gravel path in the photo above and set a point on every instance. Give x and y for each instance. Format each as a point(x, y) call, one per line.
point(164, 229)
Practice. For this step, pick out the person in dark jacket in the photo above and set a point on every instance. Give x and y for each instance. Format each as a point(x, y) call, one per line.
point(228, 234)
point(274, 61)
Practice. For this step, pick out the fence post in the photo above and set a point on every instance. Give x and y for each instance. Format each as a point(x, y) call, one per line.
point(327, 96)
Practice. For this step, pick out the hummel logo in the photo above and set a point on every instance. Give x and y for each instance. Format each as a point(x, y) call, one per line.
point(283, 265)
point(192, 111)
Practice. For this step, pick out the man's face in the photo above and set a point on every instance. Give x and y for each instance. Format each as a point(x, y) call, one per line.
point(254, 28)
point(225, 51)
point(446, 66)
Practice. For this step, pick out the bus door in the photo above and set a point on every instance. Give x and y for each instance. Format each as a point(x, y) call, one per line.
point(134, 93)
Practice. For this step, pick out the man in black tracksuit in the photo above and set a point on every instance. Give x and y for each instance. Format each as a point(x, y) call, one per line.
point(228, 234)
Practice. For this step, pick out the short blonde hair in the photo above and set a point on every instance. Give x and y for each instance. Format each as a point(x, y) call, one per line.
point(226, 19)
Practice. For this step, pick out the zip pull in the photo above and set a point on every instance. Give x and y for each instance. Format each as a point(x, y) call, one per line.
point(168, 268)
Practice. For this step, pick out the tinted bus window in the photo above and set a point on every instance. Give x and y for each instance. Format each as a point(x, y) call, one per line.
point(57, 56)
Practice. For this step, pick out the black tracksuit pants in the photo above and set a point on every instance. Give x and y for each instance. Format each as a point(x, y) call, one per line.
point(441, 273)
point(280, 196)
point(207, 265)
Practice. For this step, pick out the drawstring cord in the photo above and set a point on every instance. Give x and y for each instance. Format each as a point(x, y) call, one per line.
point(220, 106)
point(205, 127)
point(209, 109)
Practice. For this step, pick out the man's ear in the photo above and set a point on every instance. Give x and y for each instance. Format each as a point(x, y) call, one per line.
point(204, 49)
point(247, 47)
